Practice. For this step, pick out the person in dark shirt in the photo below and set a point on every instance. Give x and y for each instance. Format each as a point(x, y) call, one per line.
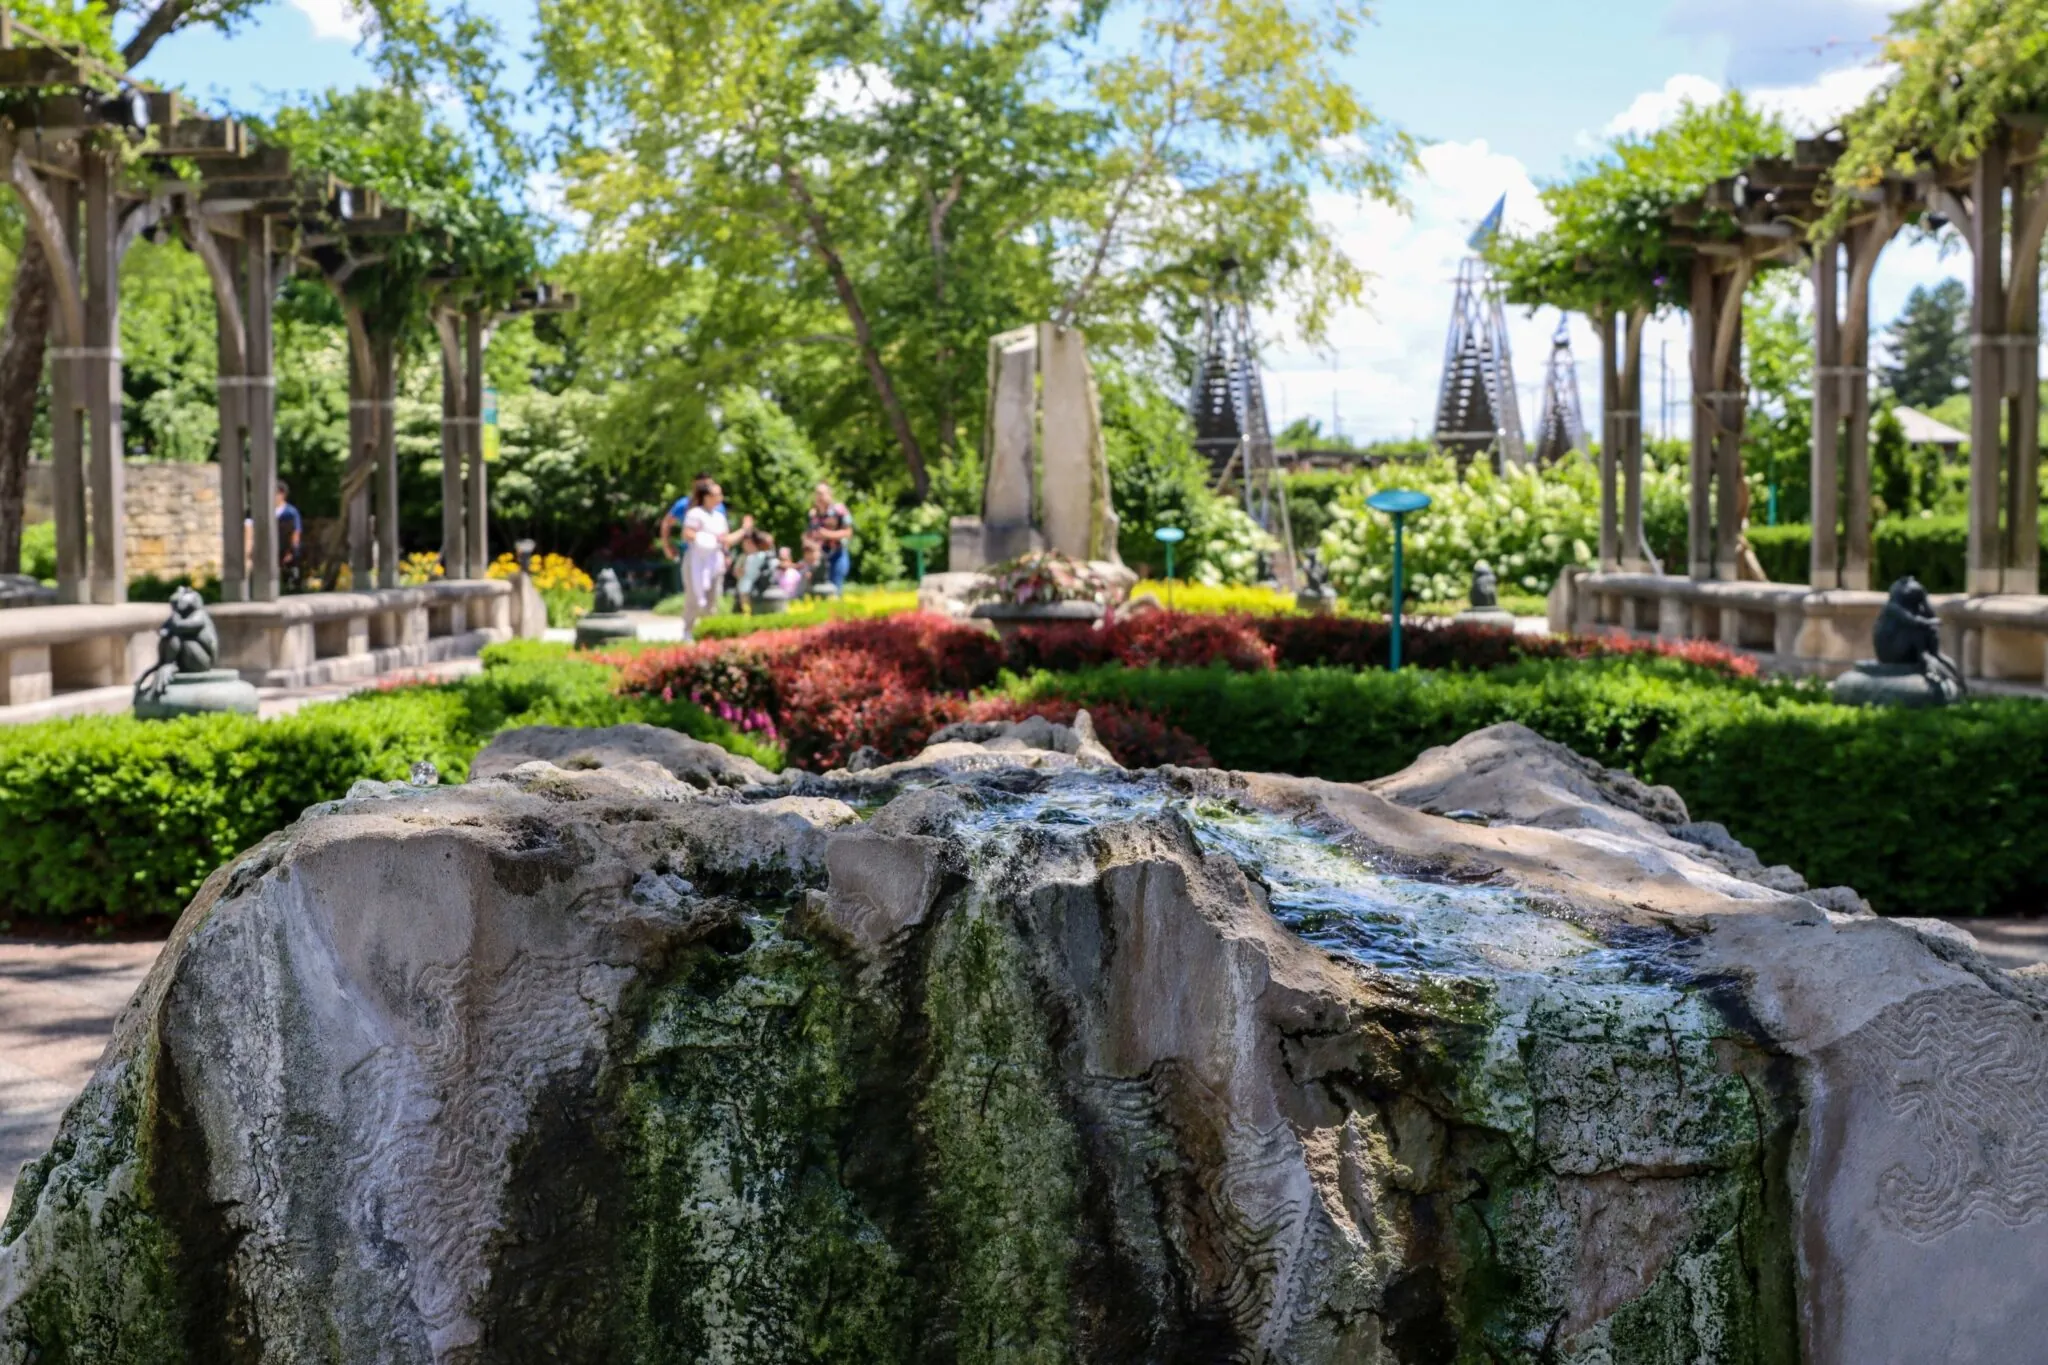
point(832, 526)
point(291, 529)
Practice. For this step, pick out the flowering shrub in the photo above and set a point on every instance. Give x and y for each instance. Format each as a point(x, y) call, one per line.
point(1209, 600)
point(1231, 545)
point(421, 566)
point(566, 590)
point(1042, 577)
point(829, 690)
point(1151, 639)
point(1527, 523)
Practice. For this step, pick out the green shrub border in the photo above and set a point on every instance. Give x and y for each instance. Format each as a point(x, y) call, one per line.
point(115, 817)
point(1923, 812)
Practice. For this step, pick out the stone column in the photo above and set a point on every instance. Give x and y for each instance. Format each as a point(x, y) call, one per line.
point(476, 538)
point(99, 371)
point(1823, 569)
point(259, 295)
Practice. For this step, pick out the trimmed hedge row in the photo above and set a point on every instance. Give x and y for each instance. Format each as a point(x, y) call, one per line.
point(1932, 549)
point(111, 816)
point(1924, 812)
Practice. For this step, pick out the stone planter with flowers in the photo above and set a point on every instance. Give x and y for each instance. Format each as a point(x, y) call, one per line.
point(1041, 588)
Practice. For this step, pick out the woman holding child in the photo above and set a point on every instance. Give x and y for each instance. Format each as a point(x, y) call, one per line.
point(706, 535)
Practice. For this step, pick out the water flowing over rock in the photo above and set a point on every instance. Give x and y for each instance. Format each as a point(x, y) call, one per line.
point(1007, 1054)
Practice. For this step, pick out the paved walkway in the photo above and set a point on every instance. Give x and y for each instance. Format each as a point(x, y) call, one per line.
point(58, 1003)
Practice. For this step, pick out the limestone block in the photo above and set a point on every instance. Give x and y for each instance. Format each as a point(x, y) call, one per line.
point(25, 675)
point(1501, 1057)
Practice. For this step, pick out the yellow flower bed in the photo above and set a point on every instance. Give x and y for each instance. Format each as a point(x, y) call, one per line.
point(550, 572)
point(1210, 601)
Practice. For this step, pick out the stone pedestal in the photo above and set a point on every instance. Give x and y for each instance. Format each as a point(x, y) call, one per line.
point(600, 628)
point(1871, 683)
point(199, 694)
point(1008, 618)
point(1316, 603)
point(770, 603)
point(1499, 618)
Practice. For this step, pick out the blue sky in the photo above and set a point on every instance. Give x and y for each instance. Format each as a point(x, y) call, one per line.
point(1508, 92)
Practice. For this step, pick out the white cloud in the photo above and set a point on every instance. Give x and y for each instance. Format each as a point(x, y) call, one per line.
point(333, 19)
point(1388, 355)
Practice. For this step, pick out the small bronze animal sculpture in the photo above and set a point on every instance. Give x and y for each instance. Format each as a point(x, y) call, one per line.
point(1485, 587)
point(1315, 577)
point(1908, 632)
point(185, 643)
point(610, 598)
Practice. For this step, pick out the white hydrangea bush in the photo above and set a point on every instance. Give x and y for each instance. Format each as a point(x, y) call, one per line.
point(1526, 523)
point(1231, 543)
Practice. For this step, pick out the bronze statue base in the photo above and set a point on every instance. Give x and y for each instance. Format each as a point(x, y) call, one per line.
point(198, 694)
point(1871, 683)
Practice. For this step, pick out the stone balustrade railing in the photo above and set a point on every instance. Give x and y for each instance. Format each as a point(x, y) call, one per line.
point(49, 653)
point(2002, 640)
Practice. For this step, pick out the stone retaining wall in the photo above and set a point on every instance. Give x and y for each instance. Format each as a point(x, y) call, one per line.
point(173, 515)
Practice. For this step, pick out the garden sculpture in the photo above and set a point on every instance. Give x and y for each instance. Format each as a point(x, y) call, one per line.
point(184, 681)
point(185, 643)
point(610, 597)
point(1910, 669)
point(606, 620)
point(1315, 593)
point(1485, 587)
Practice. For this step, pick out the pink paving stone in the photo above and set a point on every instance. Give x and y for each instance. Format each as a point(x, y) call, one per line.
point(58, 1002)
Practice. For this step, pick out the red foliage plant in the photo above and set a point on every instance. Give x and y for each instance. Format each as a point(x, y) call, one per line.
point(889, 682)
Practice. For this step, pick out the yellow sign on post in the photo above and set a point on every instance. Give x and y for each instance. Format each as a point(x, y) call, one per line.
point(490, 425)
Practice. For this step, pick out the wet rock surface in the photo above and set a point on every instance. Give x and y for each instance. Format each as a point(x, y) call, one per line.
point(1007, 1054)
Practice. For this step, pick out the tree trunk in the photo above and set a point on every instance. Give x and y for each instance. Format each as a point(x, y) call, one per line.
point(864, 337)
point(21, 371)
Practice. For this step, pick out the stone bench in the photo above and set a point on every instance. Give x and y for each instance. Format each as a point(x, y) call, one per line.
point(1795, 629)
point(314, 638)
point(48, 650)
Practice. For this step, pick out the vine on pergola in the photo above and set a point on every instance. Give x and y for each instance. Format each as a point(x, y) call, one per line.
point(1964, 70)
point(466, 246)
point(1610, 249)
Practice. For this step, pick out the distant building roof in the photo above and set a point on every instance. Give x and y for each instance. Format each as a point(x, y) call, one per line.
point(1923, 430)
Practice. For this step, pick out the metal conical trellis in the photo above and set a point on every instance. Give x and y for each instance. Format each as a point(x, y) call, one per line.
point(1561, 427)
point(1476, 410)
point(1228, 407)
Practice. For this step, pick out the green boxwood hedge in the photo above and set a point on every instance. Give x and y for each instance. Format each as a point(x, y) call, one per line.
point(1932, 549)
point(111, 816)
point(1924, 812)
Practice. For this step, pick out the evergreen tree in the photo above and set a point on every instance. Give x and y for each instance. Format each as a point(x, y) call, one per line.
point(1930, 346)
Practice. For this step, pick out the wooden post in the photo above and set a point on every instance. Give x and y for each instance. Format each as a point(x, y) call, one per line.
point(1987, 366)
point(1611, 441)
point(1729, 406)
point(478, 536)
point(2022, 563)
point(223, 264)
point(67, 418)
point(1699, 523)
point(1629, 437)
point(454, 549)
point(99, 369)
point(259, 295)
point(383, 352)
point(359, 472)
point(1823, 568)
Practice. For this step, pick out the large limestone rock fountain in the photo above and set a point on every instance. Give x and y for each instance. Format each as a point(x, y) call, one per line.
point(1008, 1055)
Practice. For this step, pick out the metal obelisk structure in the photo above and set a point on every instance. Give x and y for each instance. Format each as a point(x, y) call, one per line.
point(1560, 425)
point(1228, 406)
point(1477, 412)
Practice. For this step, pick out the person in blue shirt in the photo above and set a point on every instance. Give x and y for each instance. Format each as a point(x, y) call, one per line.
point(291, 529)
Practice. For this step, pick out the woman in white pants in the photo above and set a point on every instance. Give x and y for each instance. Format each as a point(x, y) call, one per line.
point(707, 535)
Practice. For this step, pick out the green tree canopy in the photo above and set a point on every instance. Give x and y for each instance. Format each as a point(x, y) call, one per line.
point(839, 203)
point(1607, 249)
point(1930, 345)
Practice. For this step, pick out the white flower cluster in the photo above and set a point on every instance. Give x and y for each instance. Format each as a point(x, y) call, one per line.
point(1526, 523)
point(1231, 545)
